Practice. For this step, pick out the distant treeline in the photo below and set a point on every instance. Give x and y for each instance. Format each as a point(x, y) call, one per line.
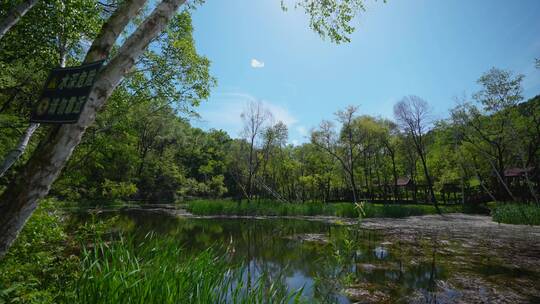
point(144, 151)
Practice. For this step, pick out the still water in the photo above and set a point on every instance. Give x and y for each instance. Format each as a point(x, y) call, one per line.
point(332, 263)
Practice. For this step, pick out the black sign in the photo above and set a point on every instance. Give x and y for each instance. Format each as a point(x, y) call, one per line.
point(65, 94)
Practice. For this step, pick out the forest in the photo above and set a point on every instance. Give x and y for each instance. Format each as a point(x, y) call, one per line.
point(143, 148)
point(135, 148)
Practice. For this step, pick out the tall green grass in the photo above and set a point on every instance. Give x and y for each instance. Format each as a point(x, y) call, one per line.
point(271, 208)
point(57, 261)
point(158, 271)
point(524, 214)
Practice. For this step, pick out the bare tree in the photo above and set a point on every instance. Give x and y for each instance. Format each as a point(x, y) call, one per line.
point(412, 114)
point(254, 117)
point(343, 147)
point(14, 15)
point(20, 199)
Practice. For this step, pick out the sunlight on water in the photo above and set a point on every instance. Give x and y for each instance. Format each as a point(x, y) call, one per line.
point(330, 263)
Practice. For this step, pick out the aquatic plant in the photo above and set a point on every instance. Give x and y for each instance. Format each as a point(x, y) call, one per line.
point(347, 210)
point(157, 270)
point(525, 214)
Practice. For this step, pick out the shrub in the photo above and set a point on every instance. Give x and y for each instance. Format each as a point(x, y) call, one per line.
point(525, 214)
point(39, 266)
point(117, 190)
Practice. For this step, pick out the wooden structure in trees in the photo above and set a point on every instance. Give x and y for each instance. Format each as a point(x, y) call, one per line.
point(521, 181)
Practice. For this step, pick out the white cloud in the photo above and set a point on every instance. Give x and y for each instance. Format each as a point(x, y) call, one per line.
point(280, 113)
point(256, 64)
point(302, 130)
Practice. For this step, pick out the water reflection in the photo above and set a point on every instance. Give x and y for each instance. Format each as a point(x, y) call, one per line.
point(333, 264)
point(380, 252)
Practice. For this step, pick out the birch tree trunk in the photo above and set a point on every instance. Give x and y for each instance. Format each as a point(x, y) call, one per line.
point(14, 15)
point(21, 197)
point(16, 153)
point(99, 50)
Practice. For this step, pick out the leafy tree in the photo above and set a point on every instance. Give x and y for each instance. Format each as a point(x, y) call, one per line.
point(331, 18)
point(57, 39)
point(14, 15)
point(487, 130)
point(20, 199)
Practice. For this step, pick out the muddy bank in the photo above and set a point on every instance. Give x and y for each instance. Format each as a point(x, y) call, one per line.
point(492, 263)
point(519, 244)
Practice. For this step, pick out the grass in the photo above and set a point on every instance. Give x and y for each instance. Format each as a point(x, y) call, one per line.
point(158, 271)
point(271, 208)
point(57, 261)
point(523, 214)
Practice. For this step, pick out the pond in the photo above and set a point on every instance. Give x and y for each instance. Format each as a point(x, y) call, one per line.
point(334, 263)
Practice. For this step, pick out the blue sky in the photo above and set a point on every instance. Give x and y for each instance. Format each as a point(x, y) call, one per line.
point(433, 49)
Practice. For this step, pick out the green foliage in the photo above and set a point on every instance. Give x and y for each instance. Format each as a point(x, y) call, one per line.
point(347, 210)
point(331, 18)
point(216, 187)
point(157, 271)
point(500, 90)
point(40, 266)
point(519, 214)
point(360, 208)
point(44, 263)
point(50, 29)
point(118, 190)
point(140, 147)
point(47, 265)
point(397, 211)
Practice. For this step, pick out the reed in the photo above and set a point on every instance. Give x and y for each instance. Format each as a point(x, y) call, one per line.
point(158, 271)
point(524, 214)
point(272, 208)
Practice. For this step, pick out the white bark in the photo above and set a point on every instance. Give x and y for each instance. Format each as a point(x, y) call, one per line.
point(111, 30)
point(20, 199)
point(100, 49)
point(14, 15)
point(16, 153)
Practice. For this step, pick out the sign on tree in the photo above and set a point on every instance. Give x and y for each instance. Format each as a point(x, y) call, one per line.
point(65, 94)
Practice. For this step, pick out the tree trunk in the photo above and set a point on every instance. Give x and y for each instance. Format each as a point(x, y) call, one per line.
point(99, 50)
point(430, 183)
point(251, 169)
point(353, 186)
point(421, 152)
point(15, 154)
point(14, 15)
point(394, 174)
point(21, 197)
